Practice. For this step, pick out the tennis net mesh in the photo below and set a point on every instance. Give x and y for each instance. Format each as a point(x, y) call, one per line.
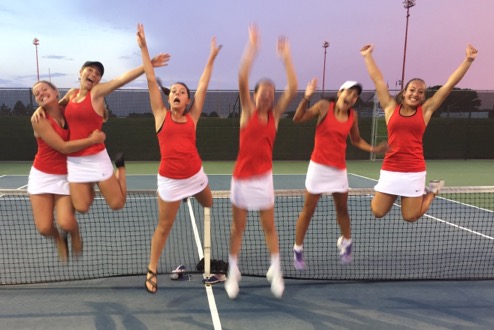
point(454, 240)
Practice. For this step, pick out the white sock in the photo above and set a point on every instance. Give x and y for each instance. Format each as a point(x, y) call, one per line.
point(275, 260)
point(232, 260)
point(298, 248)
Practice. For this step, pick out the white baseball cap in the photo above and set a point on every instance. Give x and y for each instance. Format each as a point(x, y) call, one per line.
point(351, 84)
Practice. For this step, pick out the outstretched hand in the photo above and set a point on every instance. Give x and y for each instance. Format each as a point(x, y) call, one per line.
point(471, 53)
point(311, 88)
point(215, 49)
point(283, 47)
point(254, 37)
point(366, 50)
point(141, 36)
point(160, 60)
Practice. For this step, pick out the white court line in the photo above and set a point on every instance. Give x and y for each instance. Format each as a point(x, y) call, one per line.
point(444, 221)
point(209, 289)
point(458, 226)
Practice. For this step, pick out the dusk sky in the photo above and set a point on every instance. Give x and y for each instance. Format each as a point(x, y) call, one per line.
point(71, 32)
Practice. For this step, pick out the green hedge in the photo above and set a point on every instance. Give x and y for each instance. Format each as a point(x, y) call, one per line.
point(217, 139)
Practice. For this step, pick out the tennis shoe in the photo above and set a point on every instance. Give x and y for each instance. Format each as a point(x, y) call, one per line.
point(275, 277)
point(231, 284)
point(345, 247)
point(215, 278)
point(178, 272)
point(435, 186)
point(298, 259)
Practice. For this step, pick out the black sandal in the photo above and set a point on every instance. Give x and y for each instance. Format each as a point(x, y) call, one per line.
point(154, 285)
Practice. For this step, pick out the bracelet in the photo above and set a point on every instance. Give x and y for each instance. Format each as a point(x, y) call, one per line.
point(306, 99)
point(470, 59)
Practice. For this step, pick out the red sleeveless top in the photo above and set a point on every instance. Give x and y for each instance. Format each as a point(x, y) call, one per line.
point(47, 159)
point(255, 154)
point(405, 135)
point(330, 141)
point(82, 121)
point(179, 156)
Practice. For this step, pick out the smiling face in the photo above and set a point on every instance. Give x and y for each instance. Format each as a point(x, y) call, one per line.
point(347, 98)
point(90, 76)
point(45, 94)
point(414, 93)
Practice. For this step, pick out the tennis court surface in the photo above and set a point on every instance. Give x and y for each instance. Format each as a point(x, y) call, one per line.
point(433, 274)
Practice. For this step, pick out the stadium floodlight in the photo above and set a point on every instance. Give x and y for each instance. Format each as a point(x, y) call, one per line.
point(325, 45)
point(36, 43)
point(407, 4)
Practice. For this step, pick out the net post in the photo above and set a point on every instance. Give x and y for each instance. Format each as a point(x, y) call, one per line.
point(207, 242)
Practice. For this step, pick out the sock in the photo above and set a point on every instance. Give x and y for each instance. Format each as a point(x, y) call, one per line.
point(232, 261)
point(119, 159)
point(298, 248)
point(275, 260)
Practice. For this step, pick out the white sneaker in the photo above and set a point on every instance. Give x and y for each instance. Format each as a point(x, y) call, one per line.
point(231, 284)
point(275, 277)
point(345, 247)
point(435, 186)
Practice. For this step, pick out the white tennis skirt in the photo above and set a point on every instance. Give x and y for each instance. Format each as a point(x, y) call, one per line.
point(91, 168)
point(325, 179)
point(407, 184)
point(253, 194)
point(171, 190)
point(44, 183)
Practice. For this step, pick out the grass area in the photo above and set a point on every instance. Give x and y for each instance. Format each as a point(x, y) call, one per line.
point(455, 172)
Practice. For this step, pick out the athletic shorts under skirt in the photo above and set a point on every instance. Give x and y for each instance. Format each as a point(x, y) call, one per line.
point(406, 184)
point(44, 183)
point(325, 179)
point(171, 190)
point(254, 194)
point(90, 168)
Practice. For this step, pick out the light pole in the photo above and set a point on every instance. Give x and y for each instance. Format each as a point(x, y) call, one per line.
point(36, 43)
point(325, 45)
point(407, 4)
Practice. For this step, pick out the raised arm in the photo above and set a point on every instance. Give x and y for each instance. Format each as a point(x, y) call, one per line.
point(303, 114)
point(103, 89)
point(44, 130)
point(387, 101)
point(248, 57)
point(291, 89)
point(202, 87)
point(435, 101)
point(157, 105)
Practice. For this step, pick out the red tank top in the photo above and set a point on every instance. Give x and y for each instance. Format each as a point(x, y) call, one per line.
point(330, 140)
point(82, 121)
point(255, 154)
point(179, 156)
point(405, 142)
point(47, 159)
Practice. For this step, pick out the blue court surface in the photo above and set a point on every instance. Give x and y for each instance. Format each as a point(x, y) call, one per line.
point(122, 302)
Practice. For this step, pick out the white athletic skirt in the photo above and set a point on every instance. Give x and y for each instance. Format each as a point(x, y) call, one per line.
point(325, 179)
point(253, 194)
point(91, 168)
point(44, 183)
point(171, 190)
point(407, 184)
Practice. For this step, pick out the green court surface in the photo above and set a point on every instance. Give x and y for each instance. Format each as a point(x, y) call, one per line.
point(454, 172)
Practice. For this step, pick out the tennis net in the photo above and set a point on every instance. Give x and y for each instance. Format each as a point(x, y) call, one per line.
point(454, 240)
